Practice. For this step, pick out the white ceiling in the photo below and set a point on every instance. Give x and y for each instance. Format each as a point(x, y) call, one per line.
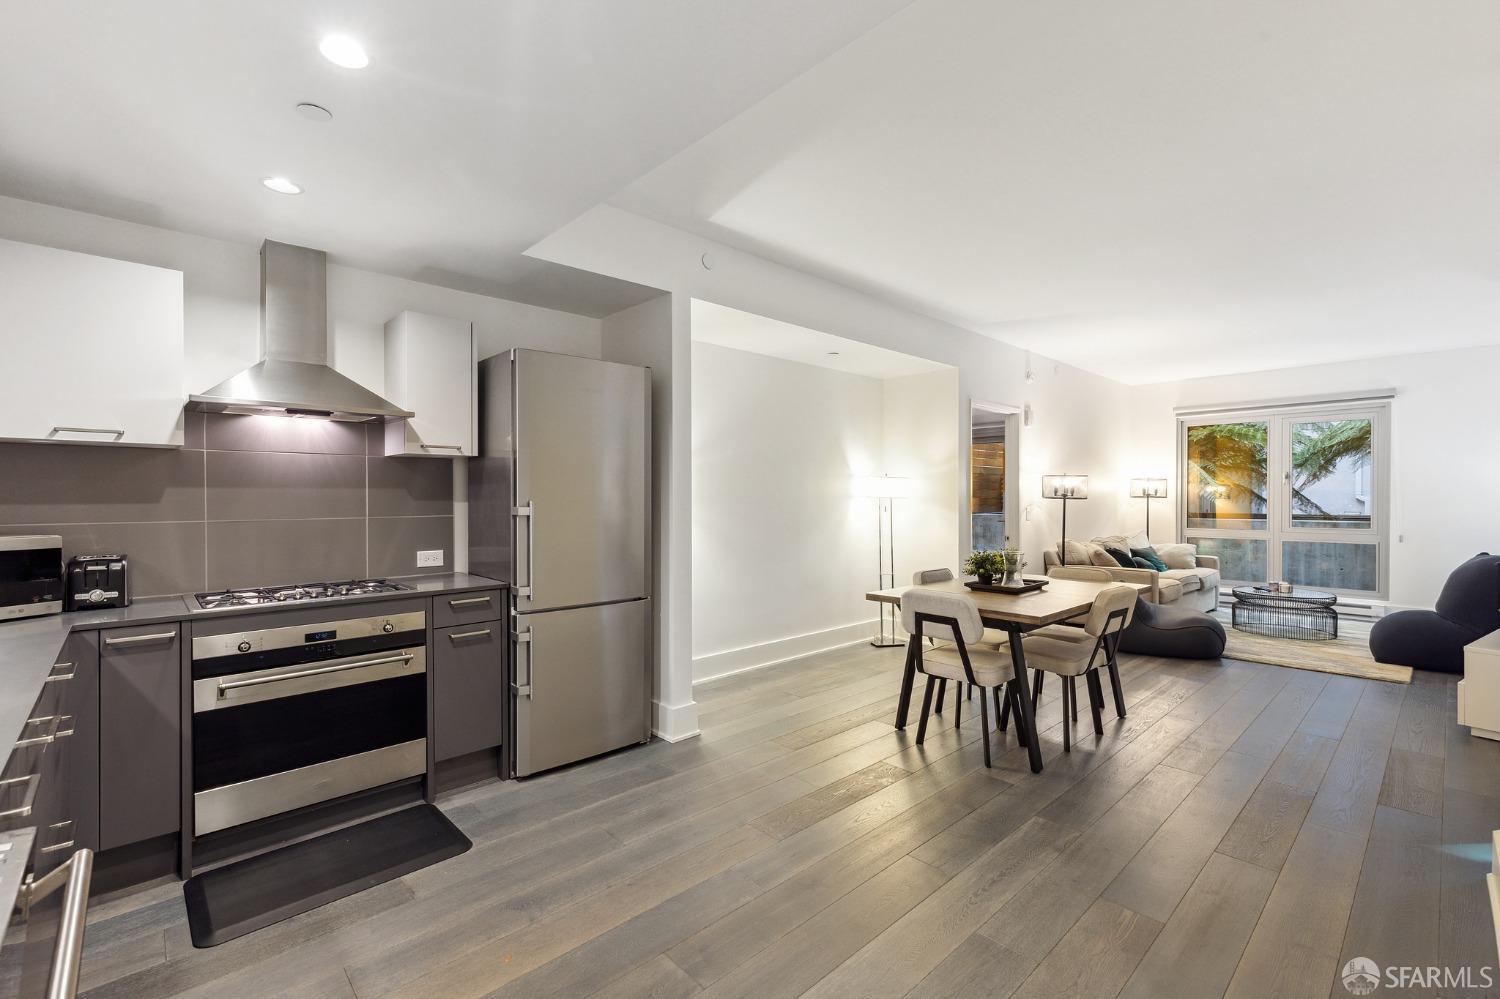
point(478, 128)
point(1148, 190)
point(726, 327)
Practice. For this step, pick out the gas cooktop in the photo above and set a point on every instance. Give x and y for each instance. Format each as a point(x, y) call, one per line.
point(298, 593)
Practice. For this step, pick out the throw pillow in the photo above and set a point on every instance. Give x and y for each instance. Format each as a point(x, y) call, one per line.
point(1108, 541)
point(1178, 556)
point(1077, 553)
point(1141, 563)
point(1139, 540)
point(1120, 557)
point(1098, 556)
point(1149, 554)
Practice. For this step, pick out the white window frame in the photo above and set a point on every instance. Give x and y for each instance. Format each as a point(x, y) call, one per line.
point(1279, 417)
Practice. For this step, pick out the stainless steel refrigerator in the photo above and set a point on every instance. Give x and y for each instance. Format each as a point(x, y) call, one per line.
point(560, 507)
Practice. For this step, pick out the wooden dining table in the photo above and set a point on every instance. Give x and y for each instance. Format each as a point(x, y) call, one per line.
point(1015, 614)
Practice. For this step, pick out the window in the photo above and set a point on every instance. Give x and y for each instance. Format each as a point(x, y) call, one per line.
point(1294, 495)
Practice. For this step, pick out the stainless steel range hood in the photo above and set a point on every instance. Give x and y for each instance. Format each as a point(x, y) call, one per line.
point(293, 377)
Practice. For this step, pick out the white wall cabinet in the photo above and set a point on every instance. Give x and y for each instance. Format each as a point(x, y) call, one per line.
point(431, 370)
point(93, 349)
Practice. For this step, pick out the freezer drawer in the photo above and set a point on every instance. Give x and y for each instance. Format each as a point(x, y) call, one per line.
point(581, 683)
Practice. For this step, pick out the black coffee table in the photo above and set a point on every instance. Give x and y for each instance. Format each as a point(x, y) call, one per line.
point(1303, 614)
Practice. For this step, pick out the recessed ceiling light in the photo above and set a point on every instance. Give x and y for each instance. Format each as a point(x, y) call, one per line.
point(314, 112)
point(341, 50)
point(281, 185)
point(833, 353)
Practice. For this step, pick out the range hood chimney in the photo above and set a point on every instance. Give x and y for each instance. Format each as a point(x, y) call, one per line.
point(293, 377)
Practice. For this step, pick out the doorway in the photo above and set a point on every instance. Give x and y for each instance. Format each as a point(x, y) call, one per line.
point(992, 478)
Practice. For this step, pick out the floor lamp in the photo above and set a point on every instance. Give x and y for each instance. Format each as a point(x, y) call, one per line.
point(1065, 487)
point(885, 490)
point(1150, 489)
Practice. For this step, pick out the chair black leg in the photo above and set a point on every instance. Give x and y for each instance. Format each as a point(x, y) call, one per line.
point(958, 710)
point(1096, 700)
point(1036, 690)
point(942, 690)
point(1114, 683)
point(1073, 695)
point(969, 694)
point(984, 725)
point(926, 706)
point(1067, 725)
point(1001, 713)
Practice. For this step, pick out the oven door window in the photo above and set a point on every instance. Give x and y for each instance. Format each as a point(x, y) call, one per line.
point(240, 743)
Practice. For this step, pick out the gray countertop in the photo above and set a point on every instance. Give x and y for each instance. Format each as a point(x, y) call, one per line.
point(30, 647)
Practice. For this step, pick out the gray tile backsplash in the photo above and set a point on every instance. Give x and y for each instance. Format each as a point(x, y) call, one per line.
point(249, 500)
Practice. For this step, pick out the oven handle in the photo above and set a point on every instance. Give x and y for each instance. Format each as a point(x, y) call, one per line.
point(224, 688)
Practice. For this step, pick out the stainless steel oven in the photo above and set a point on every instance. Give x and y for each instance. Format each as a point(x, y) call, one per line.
point(289, 716)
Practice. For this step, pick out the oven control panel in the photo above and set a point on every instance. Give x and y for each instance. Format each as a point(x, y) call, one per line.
point(320, 639)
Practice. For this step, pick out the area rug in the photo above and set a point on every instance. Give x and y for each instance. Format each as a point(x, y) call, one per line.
point(1345, 656)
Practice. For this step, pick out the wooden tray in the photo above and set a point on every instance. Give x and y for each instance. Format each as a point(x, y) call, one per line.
point(1029, 586)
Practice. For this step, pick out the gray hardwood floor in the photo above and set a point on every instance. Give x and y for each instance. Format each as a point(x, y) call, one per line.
point(1245, 831)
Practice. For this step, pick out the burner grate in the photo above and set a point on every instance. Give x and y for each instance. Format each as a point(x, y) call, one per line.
point(296, 593)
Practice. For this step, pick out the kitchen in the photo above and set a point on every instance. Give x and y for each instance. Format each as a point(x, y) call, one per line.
point(252, 630)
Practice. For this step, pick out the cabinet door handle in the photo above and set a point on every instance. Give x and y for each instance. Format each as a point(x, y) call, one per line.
point(468, 602)
point(460, 636)
point(75, 873)
point(160, 636)
point(28, 797)
point(55, 677)
point(116, 434)
point(442, 447)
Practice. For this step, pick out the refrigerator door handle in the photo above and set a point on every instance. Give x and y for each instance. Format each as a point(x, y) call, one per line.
point(524, 638)
point(529, 512)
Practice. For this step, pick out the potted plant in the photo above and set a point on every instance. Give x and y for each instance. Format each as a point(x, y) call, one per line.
point(984, 564)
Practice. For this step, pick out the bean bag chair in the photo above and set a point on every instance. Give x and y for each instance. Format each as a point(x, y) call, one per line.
point(1172, 631)
point(1466, 610)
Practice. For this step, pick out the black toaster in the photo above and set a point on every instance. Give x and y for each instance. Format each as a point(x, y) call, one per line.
point(98, 581)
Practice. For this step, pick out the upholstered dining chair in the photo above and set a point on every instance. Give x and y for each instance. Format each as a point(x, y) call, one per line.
point(963, 655)
point(1087, 574)
point(1071, 652)
point(993, 637)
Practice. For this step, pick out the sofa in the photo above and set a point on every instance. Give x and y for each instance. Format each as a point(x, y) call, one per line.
point(1190, 580)
point(1174, 631)
point(1466, 610)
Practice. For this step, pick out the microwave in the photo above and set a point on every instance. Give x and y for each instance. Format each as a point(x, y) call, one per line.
point(31, 575)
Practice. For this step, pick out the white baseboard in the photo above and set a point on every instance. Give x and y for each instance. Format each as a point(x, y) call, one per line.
point(717, 665)
point(675, 722)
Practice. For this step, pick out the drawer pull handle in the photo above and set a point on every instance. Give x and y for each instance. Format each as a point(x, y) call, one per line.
point(160, 636)
point(50, 730)
point(55, 677)
point(459, 636)
point(66, 844)
point(468, 602)
point(63, 733)
point(75, 873)
point(28, 798)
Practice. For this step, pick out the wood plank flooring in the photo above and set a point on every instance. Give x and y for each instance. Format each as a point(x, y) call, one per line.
point(1245, 831)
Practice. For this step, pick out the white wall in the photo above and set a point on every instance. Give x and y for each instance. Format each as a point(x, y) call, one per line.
point(221, 297)
point(917, 442)
point(1081, 419)
point(1444, 476)
point(776, 445)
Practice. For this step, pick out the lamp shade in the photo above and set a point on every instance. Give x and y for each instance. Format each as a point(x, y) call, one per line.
point(1154, 488)
point(883, 486)
point(1065, 487)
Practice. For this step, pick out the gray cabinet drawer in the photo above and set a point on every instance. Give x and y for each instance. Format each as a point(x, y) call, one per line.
point(140, 733)
point(468, 665)
point(466, 608)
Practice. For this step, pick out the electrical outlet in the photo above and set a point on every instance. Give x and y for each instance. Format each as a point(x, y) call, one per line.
point(427, 560)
